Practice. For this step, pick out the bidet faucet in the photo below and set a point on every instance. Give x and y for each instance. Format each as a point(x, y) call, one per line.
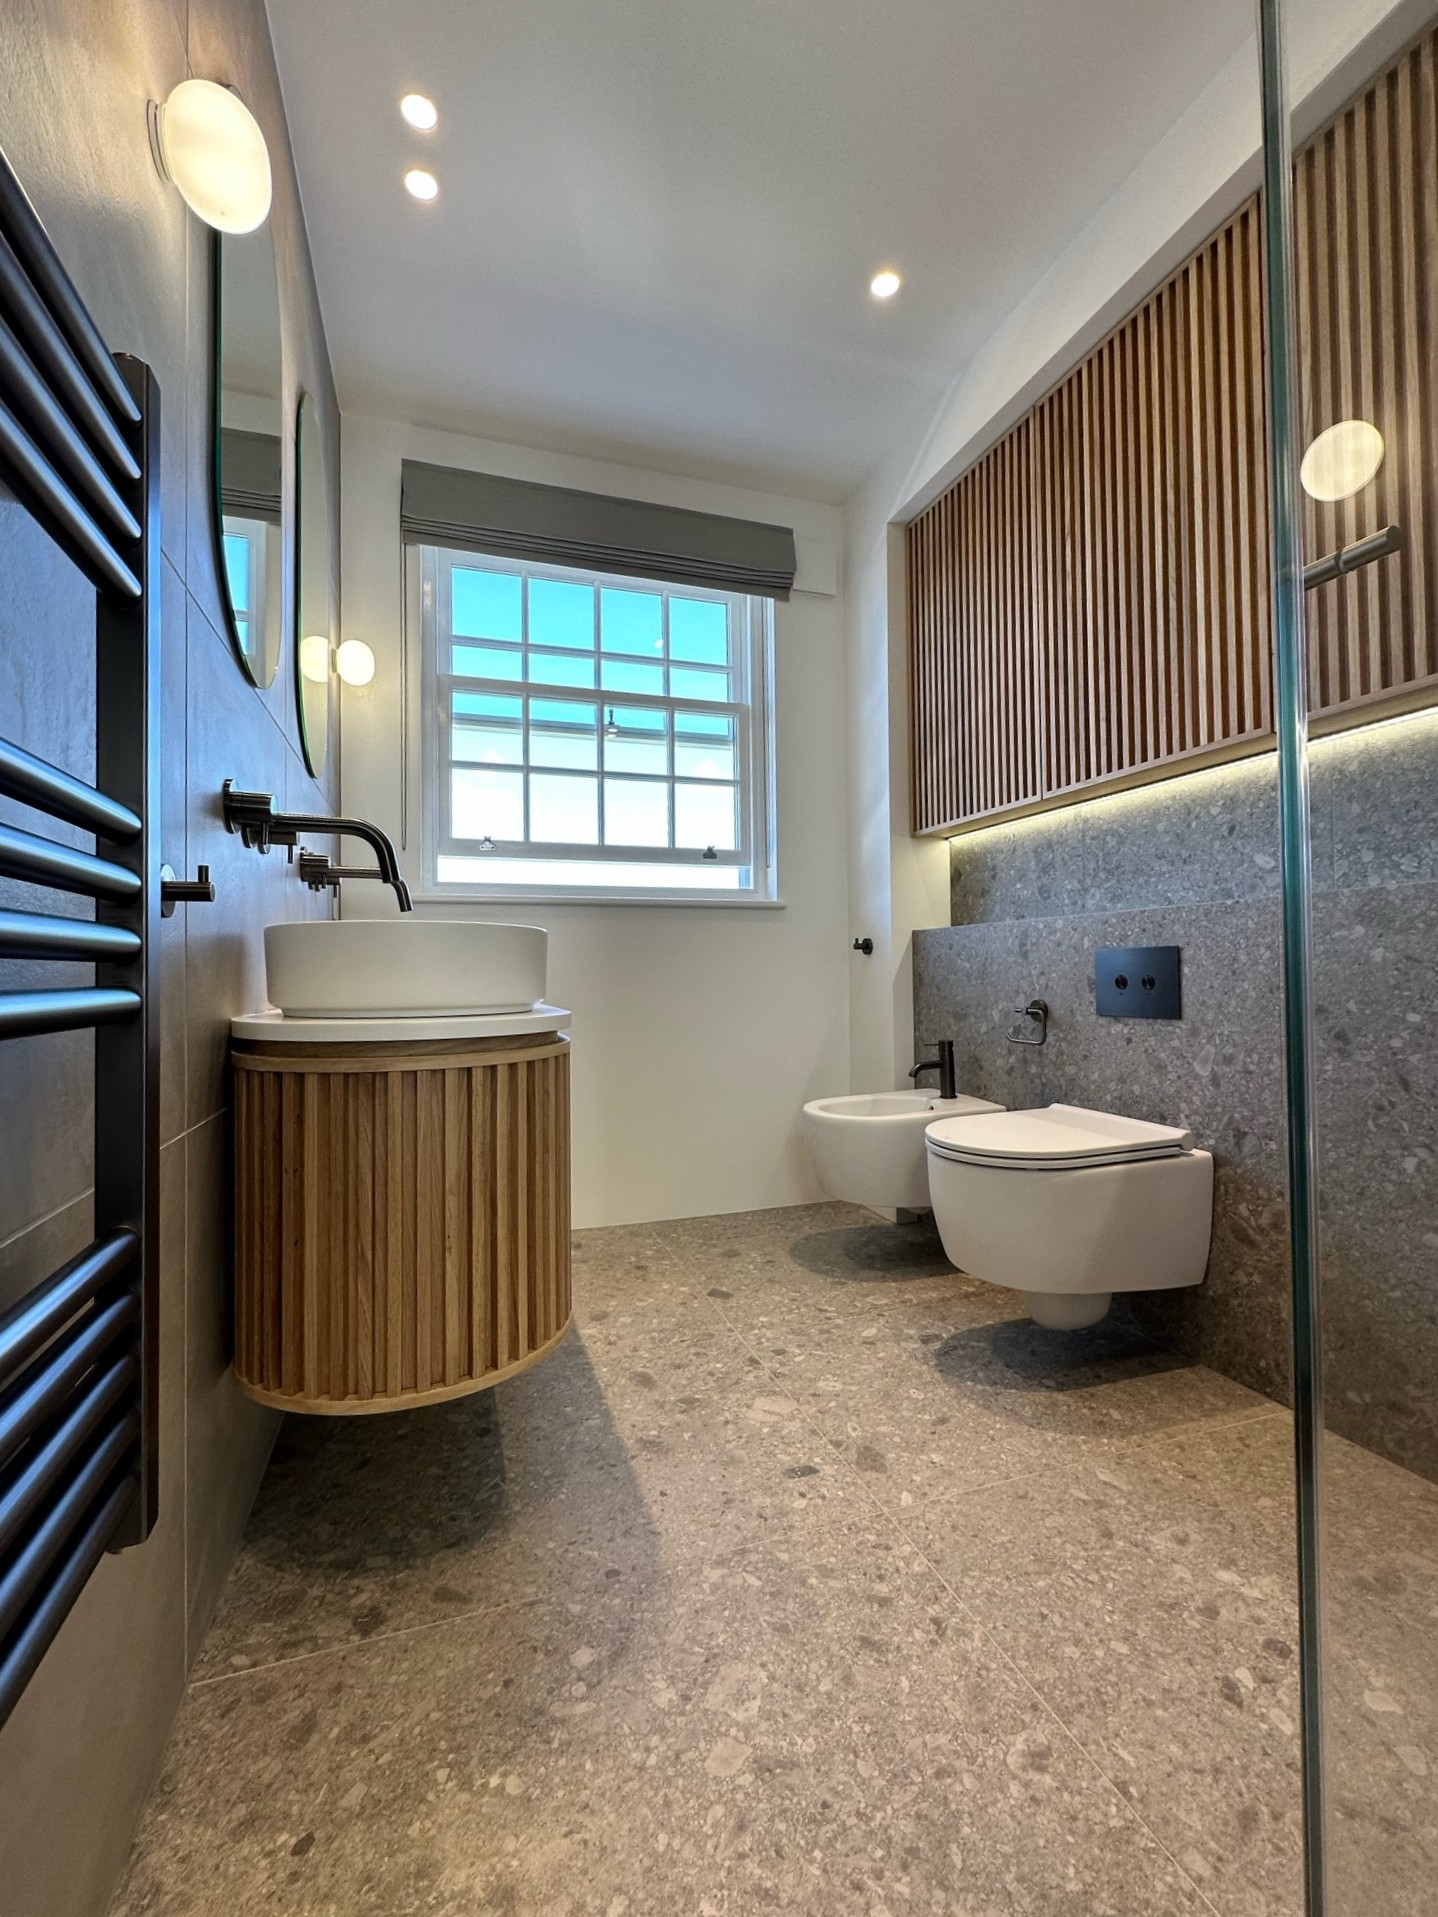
point(253, 816)
point(943, 1063)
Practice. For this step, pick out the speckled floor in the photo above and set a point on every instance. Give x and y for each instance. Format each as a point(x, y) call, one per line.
point(803, 1578)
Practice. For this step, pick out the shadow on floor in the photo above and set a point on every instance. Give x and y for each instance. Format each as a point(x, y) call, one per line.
point(404, 1491)
point(874, 1254)
point(1079, 1380)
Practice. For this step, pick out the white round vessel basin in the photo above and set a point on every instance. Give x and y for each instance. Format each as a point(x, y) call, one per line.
point(404, 968)
point(869, 1148)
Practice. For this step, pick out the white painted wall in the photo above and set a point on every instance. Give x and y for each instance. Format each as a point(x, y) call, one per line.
point(698, 1031)
point(1198, 174)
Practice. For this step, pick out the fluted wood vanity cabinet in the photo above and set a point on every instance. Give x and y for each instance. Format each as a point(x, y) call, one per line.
point(1089, 602)
point(402, 1218)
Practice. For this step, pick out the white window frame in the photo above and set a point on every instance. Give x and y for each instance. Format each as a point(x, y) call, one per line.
point(427, 776)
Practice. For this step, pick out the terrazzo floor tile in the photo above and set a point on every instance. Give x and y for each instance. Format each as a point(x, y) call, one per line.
point(1151, 1599)
point(925, 1407)
point(803, 1577)
point(551, 1485)
point(822, 1736)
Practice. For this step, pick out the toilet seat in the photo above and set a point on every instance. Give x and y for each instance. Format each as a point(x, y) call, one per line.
point(1054, 1138)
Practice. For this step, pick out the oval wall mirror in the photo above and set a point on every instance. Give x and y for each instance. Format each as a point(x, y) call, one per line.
point(313, 605)
point(249, 430)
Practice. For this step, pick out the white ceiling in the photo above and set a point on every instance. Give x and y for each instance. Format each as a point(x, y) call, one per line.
point(658, 218)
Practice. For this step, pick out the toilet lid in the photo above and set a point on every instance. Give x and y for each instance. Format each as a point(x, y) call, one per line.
point(1055, 1138)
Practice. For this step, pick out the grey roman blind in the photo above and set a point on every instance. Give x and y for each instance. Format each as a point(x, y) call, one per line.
point(250, 474)
point(517, 519)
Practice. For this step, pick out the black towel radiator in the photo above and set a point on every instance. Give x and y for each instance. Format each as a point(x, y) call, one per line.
point(79, 1385)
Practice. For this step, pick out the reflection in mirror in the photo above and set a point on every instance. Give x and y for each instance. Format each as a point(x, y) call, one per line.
point(313, 621)
point(249, 428)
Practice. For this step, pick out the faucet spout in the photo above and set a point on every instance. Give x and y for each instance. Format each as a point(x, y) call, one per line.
point(254, 817)
point(289, 825)
point(943, 1064)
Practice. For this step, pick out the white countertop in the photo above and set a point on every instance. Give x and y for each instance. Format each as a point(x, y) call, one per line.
point(275, 1029)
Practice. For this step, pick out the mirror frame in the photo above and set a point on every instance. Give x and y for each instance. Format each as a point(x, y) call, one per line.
point(297, 622)
point(217, 503)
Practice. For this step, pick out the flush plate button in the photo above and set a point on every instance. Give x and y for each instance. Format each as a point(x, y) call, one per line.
point(1137, 981)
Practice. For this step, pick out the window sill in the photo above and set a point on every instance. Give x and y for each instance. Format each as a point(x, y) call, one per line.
point(456, 895)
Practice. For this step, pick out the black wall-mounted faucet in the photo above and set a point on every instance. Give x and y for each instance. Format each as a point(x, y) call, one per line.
point(253, 816)
point(943, 1063)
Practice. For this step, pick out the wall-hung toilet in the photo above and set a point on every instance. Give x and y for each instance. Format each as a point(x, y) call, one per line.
point(1069, 1206)
point(869, 1148)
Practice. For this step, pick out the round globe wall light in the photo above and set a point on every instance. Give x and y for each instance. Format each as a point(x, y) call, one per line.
point(208, 143)
point(354, 662)
point(422, 184)
point(315, 658)
point(1342, 460)
point(884, 285)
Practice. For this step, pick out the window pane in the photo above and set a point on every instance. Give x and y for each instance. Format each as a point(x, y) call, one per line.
point(635, 812)
point(487, 705)
point(563, 811)
point(499, 744)
point(486, 804)
point(712, 760)
point(622, 675)
point(561, 669)
point(636, 740)
point(561, 734)
point(699, 632)
point(704, 815)
point(486, 605)
point(237, 570)
point(703, 725)
point(487, 662)
point(631, 621)
point(693, 683)
point(561, 615)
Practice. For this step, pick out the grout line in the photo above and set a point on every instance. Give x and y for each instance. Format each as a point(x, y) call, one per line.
point(47, 1218)
point(363, 1643)
point(1200, 1427)
point(965, 1609)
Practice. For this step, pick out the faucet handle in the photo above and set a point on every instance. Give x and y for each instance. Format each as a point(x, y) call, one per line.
point(251, 814)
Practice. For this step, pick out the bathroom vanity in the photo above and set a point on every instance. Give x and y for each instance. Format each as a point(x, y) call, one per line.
point(401, 1205)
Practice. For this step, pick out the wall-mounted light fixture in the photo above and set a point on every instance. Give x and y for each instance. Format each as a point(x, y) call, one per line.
point(208, 143)
point(354, 662)
point(1338, 465)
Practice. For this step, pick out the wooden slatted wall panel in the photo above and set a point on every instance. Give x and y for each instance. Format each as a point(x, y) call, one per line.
point(1169, 637)
point(1090, 600)
point(975, 712)
point(1366, 214)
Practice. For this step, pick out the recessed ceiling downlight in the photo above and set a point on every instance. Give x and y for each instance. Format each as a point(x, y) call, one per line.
point(422, 184)
point(884, 285)
point(1342, 460)
point(420, 112)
